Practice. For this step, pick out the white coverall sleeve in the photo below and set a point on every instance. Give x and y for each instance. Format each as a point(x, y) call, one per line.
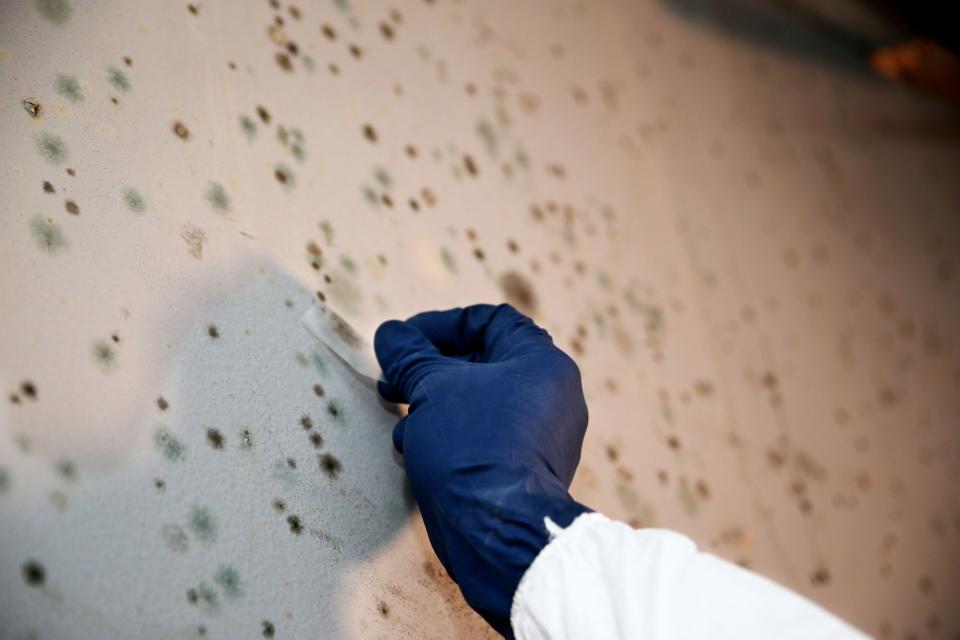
point(599, 578)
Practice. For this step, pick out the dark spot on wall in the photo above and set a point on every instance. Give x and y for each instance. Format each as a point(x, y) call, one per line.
point(263, 114)
point(329, 465)
point(284, 175)
point(71, 172)
point(386, 30)
point(333, 409)
point(478, 254)
point(48, 188)
point(229, 580)
point(369, 133)
point(246, 439)
point(52, 148)
point(215, 438)
point(306, 422)
point(202, 523)
point(328, 31)
point(296, 526)
point(192, 8)
point(180, 130)
point(283, 61)
point(470, 165)
point(383, 609)
point(519, 292)
point(162, 403)
point(291, 463)
point(820, 577)
point(268, 629)
point(118, 79)
point(212, 331)
point(318, 390)
point(69, 88)
point(71, 207)
point(28, 389)
point(217, 197)
point(356, 51)
point(316, 439)
point(134, 201)
point(33, 573)
point(194, 237)
point(66, 469)
point(169, 446)
point(104, 355)
point(159, 484)
point(279, 505)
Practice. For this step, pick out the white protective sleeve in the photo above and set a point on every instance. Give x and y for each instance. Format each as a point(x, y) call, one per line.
point(599, 578)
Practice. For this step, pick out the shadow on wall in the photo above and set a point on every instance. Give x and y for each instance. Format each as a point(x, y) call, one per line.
point(790, 27)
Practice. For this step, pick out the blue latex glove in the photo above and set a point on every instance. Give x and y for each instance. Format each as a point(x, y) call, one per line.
point(490, 443)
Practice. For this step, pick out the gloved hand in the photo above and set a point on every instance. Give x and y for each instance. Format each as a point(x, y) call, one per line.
point(490, 443)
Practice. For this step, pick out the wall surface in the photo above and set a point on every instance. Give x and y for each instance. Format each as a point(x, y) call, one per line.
point(747, 242)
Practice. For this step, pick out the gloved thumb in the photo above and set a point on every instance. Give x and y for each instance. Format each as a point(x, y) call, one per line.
point(406, 355)
point(398, 433)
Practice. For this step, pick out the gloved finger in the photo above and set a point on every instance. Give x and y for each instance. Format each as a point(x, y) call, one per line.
point(398, 432)
point(491, 332)
point(387, 392)
point(405, 356)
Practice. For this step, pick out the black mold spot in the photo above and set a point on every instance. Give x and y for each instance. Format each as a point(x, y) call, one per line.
point(28, 389)
point(168, 445)
point(192, 8)
point(48, 188)
point(318, 390)
point(203, 524)
point(180, 130)
point(316, 439)
point(306, 422)
point(264, 114)
point(291, 463)
point(215, 438)
point(160, 484)
point(72, 207)
point(246, 439)
point(356, 51)
point(33, 573)
point(57, 12)
point(162, 403)
point(519, 292)
point(333, 409)
point(212, 331)
point(329, 32)
point(470, 165)
point(279, 505)
point(370, 133)
point(52, 148)
point(383, 609)
point(66, 469)
point(229, 580)
point(329, 465)
point(296, 526)
point(268, 629)
point(105, 355)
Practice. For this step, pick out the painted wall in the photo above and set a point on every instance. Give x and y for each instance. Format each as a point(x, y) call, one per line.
point(746, 241)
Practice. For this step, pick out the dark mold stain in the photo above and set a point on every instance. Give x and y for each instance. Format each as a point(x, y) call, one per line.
point(215, 438)
point(104, 355)
point(279, 505)
point(119, 79)
point(48, 188)
point(345, 332)
point(33, 573)
point(217, 196)
point(268, 629)
point(329, 465)
point(284, 175)
point(470, 165)
point(229, 580)
point(72, 207)
point(519, 292)
point(192, 8)
point(212, 331)
point(248, 127)
point(134, 201)
point(263, 114)
point(291, 463)
point(296, 526)
point(318, 390)
point(328, 31)
point(369, 133)
point(383, 609)
point(306, 422)
point(168, 445)
point(28, 389)
point(57, 12)
point(386, 30)
point(180, 130)
point(52, 148)
point(202, 524)
point(333, 409)
point(66, 469)
point(160, 484)
point(316, 439)
point(356, 51)
point(69, 88)
point(283, 61)
point(246, 439)
point(162, 403)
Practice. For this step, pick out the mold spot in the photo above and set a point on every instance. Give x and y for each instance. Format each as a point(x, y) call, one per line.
point(217, 196)
point(180, 130)
point(383, 609)
point(118, 79)
point(134, 201)
point(519, 292)
point(175, 538)
point(57, 12)
point(229, 580)
point(306, 422)
point(162, 403)
point(202, 524)
point(333, 409)
point(329, 465)
point(215, 438)
point(5, 481)
point(169, 446)
point(283, 61)
point(104, 355)
point(212, 331)
point(52, 148)
point(66, 469)
point(72, 207)
point(33, 573)
point(69, 87)
point(268, 629)
point(370, 133)
point(296, 526)
point(284, 176)
point(194, 237)
point(470, 165)
point(248, 127)
point(48, 188)
point(279, 505)
point(318, 390)
point(263, 114)
point(160, 484)
point(316, 439)
point(246, 439)
point(28, 389)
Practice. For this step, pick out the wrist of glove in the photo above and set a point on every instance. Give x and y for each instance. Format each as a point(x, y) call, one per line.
point(491, 441)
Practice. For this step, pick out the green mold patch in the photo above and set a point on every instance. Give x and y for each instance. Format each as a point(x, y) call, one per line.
point(229, 580)
point(104, 355)
point(217, 197)
point(56, 12)
point(202, 524)
point(118, 79)
point(47, 234)
point(69, 87)
point(53, 149)
point(169, 446)
point(134, 200)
